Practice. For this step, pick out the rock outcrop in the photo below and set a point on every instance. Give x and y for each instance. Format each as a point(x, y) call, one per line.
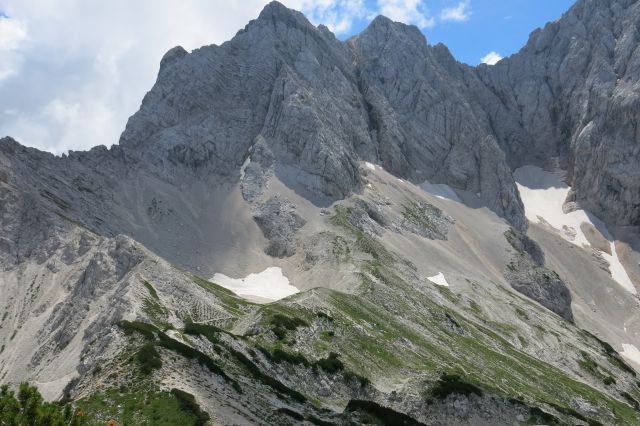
point(572, 93)
point(288, 149)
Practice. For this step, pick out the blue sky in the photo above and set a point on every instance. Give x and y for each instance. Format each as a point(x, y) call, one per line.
point(70, 78)
point(502, 26)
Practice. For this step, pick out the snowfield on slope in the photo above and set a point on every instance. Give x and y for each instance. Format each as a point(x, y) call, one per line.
point(631, 353)
point(543, 194)
point(269, 285)
point(439, 280)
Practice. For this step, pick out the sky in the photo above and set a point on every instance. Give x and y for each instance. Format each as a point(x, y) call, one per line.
point(73, 71)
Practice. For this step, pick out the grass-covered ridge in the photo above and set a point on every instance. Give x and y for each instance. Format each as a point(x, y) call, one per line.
point(391, 335)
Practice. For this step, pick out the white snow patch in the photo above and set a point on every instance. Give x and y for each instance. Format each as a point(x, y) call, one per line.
point(630, 352)
point(269, 284)
point(369, 165)
point(244, 167)
point(439, 280)
point(543, 194)
point(440, 190)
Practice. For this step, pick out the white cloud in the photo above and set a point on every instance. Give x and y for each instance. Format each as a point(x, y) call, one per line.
point(337, 15)
point(73, 71)
point(12, 34)
point(491, 58)
point(459, 13)
point(406, 11)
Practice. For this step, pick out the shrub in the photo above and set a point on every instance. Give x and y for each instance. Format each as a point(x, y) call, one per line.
point(331, 364)
point(350, 376)
point(151, 290)
point(210, 332)
point(279, 356)
point(378, 414)
point(149, 358)
point(321, 314)
point(279, 320)
point(453, 384)
point(188, 403)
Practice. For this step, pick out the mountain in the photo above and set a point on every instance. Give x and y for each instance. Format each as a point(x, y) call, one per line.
point(297, 229)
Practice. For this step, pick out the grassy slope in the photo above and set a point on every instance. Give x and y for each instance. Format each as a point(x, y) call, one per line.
point(389, 331)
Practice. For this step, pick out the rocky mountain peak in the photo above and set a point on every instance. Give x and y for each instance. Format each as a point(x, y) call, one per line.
point(366, 191)
point(386, 31)
point(173, 55)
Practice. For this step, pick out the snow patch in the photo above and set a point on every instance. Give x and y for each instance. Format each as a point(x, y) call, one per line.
point(244, 167)
point(630, 352)
point(440, 190)
point(543, 194)
point(439, 280)
point(369, 165)
point(269, 284)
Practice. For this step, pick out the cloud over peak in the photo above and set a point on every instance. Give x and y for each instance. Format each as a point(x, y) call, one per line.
point(459, 13)
point(407, 11)
point(491, 58)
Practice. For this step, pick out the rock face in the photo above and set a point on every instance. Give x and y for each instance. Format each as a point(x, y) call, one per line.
point(313, 106)
point(230, 166)
point(528, 275)
point(279, 222)
point(385, 96)
point(572, 93)
point(316, 106)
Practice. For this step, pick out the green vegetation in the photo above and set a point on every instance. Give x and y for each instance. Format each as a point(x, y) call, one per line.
point(340, 249)
point(453, 384)
point(448, 294)
point(232, 303)
point(156, 313)
point(140, 406)
point(612, 355)
point(210, 333)
point(266, 379)
point(331, 364)
point(28, 408)
point(588, 364)
point(323, 315)
point(189, 405)
point(350, 376)
point(327, 336)
point(149, 332)
point(415, 214)
point(151, 290)
point(281, 323)
point(149, 358)
point(372, 413)
point(364, 242)
point(631, 400)
point(278, 356)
